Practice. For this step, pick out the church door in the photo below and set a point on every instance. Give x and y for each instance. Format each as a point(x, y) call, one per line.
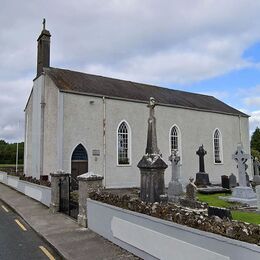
point(79, 165)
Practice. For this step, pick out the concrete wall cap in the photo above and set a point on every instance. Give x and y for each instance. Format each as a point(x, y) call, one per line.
point(59, 173)
point(89, 176)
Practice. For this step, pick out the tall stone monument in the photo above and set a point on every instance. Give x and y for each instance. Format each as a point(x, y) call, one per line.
point(256, 166)
point(152, 166)
point(202, 178)
point(175, 187)
point(242, 193)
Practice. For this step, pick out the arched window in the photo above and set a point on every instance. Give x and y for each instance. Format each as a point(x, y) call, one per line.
point(217, 145)
point(123, 144)
point(174, 138)
point(79, 154)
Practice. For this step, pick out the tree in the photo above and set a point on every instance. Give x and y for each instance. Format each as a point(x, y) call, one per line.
point(255, 140)
point(255, 154)
point(8, 152)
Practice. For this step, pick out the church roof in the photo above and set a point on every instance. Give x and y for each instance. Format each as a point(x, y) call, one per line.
point(78, 82)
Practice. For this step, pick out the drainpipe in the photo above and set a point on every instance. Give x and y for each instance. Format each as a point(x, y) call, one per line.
point(104, 140)
point(42, 125)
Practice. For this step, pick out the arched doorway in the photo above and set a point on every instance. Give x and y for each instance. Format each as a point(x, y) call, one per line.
point(79, 164)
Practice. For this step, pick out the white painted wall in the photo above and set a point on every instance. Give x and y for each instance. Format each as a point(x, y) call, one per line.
point(36, 126)
point(50, 154)
point(83, 123)
point(35, 191)
point(28, 139)
point(153, 238)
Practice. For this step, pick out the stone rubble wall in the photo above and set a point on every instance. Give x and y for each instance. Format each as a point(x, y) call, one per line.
point(198, 219)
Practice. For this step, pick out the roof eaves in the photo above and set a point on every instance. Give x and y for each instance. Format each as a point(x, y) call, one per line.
point(145, 102)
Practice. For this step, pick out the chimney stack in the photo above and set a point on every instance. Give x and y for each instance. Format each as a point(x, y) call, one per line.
point(43, 57)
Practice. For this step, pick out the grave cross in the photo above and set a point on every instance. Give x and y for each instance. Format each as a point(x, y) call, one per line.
point(240, 157)
point(43, 23)
point(151, 105)
point(151, 147)
point(175, 159)
point(201, 153)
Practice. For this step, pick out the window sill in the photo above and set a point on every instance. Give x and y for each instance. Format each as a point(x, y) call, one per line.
point(221, 163)
point(124, 165)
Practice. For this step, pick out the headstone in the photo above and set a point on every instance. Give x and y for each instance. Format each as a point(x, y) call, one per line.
point(175, 187)
point(242, 193)
point(202, 178)
point(256, 167)
point(190, 197)
point(232, 180)
point(220, 212)
point(191, 190)
point(257, 189)
point(152, 166)
point(225, 181)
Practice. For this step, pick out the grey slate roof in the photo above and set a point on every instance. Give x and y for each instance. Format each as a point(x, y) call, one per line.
point(72, 81)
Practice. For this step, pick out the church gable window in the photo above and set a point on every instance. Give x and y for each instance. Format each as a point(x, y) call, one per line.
point(123, 144)
point(174, 138)
point(217, 146)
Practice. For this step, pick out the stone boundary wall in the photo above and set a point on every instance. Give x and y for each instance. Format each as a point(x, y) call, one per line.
point(152, 238)
point(35, 191)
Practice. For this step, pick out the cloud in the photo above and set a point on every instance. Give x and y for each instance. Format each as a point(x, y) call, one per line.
point(12, 102)
point(159, 42)
point(254, 120)
point(253, 101)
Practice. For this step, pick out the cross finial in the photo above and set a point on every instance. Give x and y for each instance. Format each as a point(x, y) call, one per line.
point(151, 105)
point(151, 102)
point(43, 23)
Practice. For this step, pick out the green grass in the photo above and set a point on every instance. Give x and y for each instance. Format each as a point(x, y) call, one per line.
point(10, 165)
point(250, 217)
point(213, 200)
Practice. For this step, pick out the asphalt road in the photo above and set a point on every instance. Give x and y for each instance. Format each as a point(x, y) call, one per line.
point(19, 241)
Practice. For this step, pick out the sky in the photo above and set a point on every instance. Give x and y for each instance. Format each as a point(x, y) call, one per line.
point(203, 46)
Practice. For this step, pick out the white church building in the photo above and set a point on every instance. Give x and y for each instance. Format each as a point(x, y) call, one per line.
point(81, 123)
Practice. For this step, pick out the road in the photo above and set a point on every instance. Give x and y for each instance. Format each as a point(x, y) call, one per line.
point(19, 241)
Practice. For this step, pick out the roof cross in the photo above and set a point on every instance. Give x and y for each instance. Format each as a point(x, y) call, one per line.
point(43, 23)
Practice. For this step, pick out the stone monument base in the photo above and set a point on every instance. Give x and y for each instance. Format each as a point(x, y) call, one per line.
point(202, 179)
point(174, 191)
point(152, 185)
point(256, 179)
point(243, 195)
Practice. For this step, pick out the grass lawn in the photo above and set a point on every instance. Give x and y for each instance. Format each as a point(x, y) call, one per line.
point(213, 200)
point(10, 165)
point(250, 217)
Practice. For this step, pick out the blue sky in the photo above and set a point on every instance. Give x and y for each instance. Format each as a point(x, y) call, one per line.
point(209, 47)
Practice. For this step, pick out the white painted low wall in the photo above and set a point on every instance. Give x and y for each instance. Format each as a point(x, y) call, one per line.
point(153, 238)
point(35, 191)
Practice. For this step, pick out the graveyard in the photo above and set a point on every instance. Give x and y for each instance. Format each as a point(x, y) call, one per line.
point(229, 209)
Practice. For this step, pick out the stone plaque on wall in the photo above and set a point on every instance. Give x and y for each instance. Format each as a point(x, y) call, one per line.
point(96, 152)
